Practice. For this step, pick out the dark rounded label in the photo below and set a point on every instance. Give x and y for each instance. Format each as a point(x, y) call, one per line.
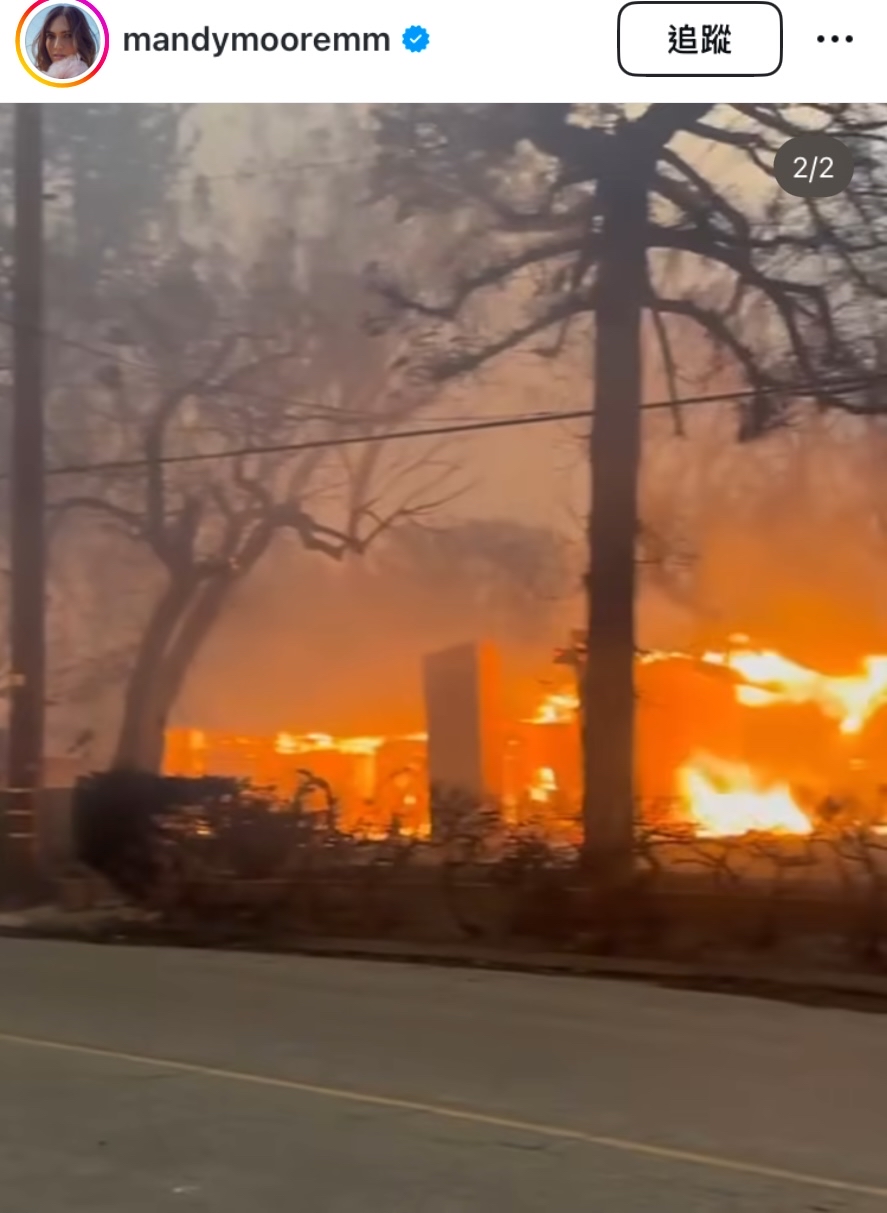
point(814, 166)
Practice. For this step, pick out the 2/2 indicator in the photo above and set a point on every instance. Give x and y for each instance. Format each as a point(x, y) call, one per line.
point(814, 166)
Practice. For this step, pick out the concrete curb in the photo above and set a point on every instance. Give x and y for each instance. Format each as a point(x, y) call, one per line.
point(627, 968)
point(796, 983)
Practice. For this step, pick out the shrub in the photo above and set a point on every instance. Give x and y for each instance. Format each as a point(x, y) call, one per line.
point(122, 819)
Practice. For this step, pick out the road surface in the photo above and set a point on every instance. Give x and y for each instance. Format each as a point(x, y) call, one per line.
point(136, 1080)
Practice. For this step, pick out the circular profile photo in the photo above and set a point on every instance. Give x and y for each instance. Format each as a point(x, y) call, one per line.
point(62, 45)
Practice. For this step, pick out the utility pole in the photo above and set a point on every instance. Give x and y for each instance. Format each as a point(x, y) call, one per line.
point(28, 555)
point(608, 693)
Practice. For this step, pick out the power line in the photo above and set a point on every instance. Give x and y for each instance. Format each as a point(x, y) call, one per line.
point(435, 427)
point(447, 425)
point(500, 423)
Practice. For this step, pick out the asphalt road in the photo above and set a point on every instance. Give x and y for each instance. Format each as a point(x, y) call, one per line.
point(146, 1080)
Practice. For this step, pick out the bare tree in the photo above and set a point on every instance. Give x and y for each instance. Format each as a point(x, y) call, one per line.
point(648, 225)
point(199, 363)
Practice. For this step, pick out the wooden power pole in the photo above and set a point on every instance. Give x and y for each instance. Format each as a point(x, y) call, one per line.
point(28, 555)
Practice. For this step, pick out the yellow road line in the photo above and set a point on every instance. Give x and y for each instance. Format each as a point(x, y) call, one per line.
point(465, 1115)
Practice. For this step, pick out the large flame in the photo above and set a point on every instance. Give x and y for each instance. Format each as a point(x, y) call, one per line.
point(769, 678)
point(729, 799)
point(724, 797)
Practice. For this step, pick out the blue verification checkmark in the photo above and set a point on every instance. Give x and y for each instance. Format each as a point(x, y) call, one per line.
point(416, 38)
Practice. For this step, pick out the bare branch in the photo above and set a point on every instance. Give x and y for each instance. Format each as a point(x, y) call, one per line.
point(670, 367)
point(461, 361)
point(497, 272)
point(131, 521)
point(154, 447)
point(708, 203)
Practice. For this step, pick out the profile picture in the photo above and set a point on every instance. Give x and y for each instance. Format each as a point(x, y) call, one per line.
point(62, 44)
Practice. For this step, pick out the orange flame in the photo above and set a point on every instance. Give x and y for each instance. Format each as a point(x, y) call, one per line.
point(558, 707)
point(719, 797)
point(728, 799)
point(543, 785)
point(312, 743)
point(731, 798)
point(770, 678)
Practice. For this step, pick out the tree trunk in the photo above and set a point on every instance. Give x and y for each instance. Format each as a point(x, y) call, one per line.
point(182, 620)
point(195, 627)
point(136, 747)
point(152, 716)
point(608, 725)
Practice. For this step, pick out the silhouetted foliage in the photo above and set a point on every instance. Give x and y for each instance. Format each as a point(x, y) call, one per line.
point(226, 860)
point(121, 819)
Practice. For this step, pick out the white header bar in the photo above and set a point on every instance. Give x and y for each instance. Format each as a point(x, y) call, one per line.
point(442, 50)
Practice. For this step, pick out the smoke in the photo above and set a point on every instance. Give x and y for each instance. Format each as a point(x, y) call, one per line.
point(779, 539)
point(309, 645)
point(783, 539)
point(813, 591)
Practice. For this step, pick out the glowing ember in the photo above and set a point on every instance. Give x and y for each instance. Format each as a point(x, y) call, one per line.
point(559, 707)
point(727, 799)
point(769, 678)
point(543, 785)
point(313, 743)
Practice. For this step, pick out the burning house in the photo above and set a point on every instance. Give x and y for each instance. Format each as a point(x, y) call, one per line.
point(760, 742)
point(370, 784)
point(729, 741)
